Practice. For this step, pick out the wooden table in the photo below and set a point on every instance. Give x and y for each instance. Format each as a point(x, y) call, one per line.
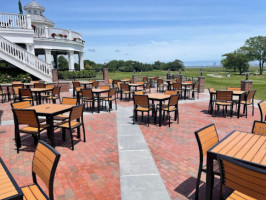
point(134, 85)
point(169, 83)
point(49, 111)
point(245, 147)
point(9, 189)
point(85, 83)
point(98, 92)
point(235, 93)
point(185, 87)
point(160, 98)
point(38, 91)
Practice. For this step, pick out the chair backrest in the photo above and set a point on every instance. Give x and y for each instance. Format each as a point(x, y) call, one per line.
point(69, 101)
point(39, 85)
point(95, 84)
point(196, 85)
point(139, 93)
point(141, 100)
point(49, 86)
point(56, 91)
point(21, 105)
point(173, 101)
point(116, 81)
point(224, 95)
point(259, 128)
point(105, 87)
point(233, 89)
point(148, 86)
point(87, 93)
point(76, 84)
point(76, 112)
point(177, 86)
point(25, 92)
point(110, 81)
point(111, 92)
point(206, 137)
point(16, 82)
point(124, 87)
point(250, 95)
point(170, 92)
point(44, 164)
point(243, 177)
point(18, 85)
point(25, 117)
point(178, 80)
point(159, 81)
point(262, 107)
point(145, 79)
point(119, 85)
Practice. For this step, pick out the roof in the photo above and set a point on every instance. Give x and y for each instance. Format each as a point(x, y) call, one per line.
point(34, 5)
point(40, 19)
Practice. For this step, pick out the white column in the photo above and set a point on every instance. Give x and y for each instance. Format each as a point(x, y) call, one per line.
point(30, 48)
point(46, 32)
point(71, 61)
point(29, 22)
point(69, 34)
point(48, 56)
point(81, 60)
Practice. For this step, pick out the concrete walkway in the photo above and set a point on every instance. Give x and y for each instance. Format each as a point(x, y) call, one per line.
point(139, 176)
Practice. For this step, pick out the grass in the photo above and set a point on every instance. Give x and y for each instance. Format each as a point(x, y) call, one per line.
point(259, 81)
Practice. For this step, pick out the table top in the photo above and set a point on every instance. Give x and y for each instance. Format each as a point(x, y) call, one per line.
point(50, 109)
point(86, 82)
point(41, 89)
point(187, 83)
point(244, 146)
point(136, 84)
point(234, 92)
point(159, 96)
point(99, 90)
point(125, 80)
point(8, 186)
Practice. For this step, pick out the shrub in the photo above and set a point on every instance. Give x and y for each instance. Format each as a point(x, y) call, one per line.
point(76, 74)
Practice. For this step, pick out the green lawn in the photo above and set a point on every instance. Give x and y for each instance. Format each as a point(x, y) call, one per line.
point(259, 81)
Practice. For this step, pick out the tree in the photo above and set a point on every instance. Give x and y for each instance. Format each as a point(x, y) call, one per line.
point(256, 50)
point(62, 63)
point(76, 67)
point(174, 66)
point(236, 60)
point(20, 8)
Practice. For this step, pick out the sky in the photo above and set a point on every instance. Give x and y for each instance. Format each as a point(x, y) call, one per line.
point(197, 32)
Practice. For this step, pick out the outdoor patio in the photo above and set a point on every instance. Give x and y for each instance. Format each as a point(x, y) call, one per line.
point(94, 170)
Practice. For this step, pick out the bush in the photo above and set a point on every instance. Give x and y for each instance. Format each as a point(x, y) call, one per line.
point(15, 75)
point(76, 74)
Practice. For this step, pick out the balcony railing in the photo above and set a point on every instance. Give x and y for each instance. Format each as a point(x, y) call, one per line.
point(57, 33)
point(15, 21)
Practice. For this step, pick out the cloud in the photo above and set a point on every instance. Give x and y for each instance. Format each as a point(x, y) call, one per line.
point(117, 50)
point(92, 50)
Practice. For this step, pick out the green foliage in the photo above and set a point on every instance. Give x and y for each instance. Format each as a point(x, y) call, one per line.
point(14, 76)
point(62, 63)
point(76, 66)
point(256, 50)
point(236, 60)
point(174, 66)
point(20, 7)
point(76, 74)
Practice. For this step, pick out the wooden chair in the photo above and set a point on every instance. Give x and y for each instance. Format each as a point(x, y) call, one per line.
point(233, 89)
point(124, 90)
point(76, 87)
point(66, 101)
point(249, 100)
point(44, 164)
point(140, 88)
point(262, 107)
point(195, 89)
point(178, 87)
point(39, 85)
point(160, 85)
point(206, 137)
point(3, 94)
point(145, 79)
point(25, 94)
point(49, 93)
point(32, 82)
point(95, 84)
point(54, 95)
point(141, 104)
point(225, 99)
point(172, 106)
point(212, 99)
point(138, 92)
point(75, 120)
point(247, 181)
point(110, 81)
point(15, 89)
point(147, 88)
point(259, 128)
point(87, 97)
point(171, 92)
point(33, 126)
point(110, 98)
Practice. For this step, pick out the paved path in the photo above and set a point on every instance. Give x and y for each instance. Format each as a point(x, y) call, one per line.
point(139, 176)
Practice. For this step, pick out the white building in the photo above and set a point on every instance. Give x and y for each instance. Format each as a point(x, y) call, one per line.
point(25, 37)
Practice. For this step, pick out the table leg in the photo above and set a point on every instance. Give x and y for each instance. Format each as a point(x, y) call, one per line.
point(8, 93)
point(209, 177)
point(239, 103)
point(185, 92)
point(40, 99)
point(98, 98)
point(211, 101)
point(78, 98)
point(160, 113)
point(50, 121)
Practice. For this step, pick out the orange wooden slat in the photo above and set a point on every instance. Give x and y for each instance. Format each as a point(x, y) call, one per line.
point(258, 158)
point(255, 149)
point(9, 194)
point(263, 162)
point(28, 194)
point(239, 145)
point(37, 193)
point(225, 142)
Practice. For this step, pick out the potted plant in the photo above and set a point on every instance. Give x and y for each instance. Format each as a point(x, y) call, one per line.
point(61, 35)
point(65, 36)
point(53, 35)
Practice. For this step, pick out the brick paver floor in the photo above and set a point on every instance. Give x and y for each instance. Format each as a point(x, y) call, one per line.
point(91, 171)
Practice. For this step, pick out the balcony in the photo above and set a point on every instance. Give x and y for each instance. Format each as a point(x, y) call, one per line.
point(15, 21)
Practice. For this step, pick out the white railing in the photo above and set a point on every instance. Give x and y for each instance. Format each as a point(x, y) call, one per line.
point(58, 32)
point(25, 57)
point(15, 21)
point(76, 35)
point(39, 32)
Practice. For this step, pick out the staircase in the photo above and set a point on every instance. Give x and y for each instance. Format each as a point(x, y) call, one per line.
point(24, 60)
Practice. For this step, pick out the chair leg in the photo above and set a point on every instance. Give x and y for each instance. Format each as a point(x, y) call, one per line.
point(246, 110)
point(84, 135)
point(252, 108)
point(148, 118)
point(71, 137)
point(169, 117)
point(197, 184)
